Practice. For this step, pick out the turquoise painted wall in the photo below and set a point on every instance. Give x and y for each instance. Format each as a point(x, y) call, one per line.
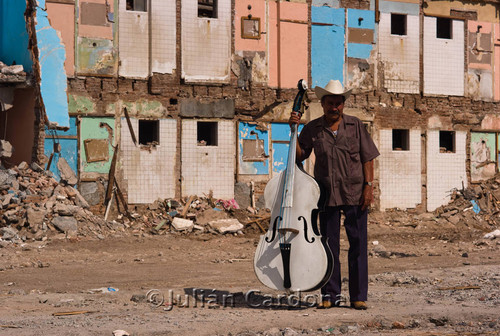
point(69, 147)
point(90, 129)
point(13, 35)
point(258, 167)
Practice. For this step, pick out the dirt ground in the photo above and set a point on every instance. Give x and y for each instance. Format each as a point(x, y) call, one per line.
point(425, 279)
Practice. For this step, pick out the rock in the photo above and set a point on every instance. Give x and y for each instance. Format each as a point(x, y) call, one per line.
point(90, 192)
point(13, 69)
point(226, 225)
point(35, 217)
point(65, 224)
point(64, 209)
point(120, 333)
point(5, 149)
point(492, 235)
point(242, 194)
point(439, 322)
point(181, 224)
point(398, 325)
point(138, 298)
point(8, 233)
point(67, 174)
point(36, 167)
point(273, 332)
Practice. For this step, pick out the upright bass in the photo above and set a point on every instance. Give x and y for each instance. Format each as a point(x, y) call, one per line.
point(292, 255)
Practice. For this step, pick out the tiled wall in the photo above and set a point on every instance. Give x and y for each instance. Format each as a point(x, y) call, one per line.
point(445, 171)
point(400, 55)
point(443, 60)
point(163, 32)
point(133, 43)
point(149, 174)
point(206, 43)
point(400, 172)
point(135, 36)
point(206, 168)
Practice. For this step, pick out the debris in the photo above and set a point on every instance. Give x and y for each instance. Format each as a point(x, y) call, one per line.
point(75, 312)
point(120, 333)
point(5, 149)
point(492, 234)
point(459, 288)
point(67, 174)
point(181, 224)
point(226, 225)
point(103, 290)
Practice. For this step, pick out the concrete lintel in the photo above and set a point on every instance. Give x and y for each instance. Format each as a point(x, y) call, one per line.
point(223, 108)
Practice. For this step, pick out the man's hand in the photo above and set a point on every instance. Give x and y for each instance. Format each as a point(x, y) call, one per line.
point(294, 118)
point(366, 197)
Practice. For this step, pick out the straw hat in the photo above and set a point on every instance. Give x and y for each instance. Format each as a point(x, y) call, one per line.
point(334, 87)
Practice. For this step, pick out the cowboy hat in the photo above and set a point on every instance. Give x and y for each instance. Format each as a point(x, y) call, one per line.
point(334, 87)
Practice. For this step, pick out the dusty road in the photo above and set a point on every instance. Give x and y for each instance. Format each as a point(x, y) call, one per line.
point(424, 280)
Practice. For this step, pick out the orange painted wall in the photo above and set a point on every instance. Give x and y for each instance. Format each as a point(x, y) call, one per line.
point(294, 51)
point(486, 28)
point(496, 72)
point(97, 31)
point(258, 11)
point(62, 19)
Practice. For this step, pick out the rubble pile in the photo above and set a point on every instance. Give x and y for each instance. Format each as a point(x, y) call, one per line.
point(12, 73)
point(197, 215)
point(477, 207)
point(35, 206)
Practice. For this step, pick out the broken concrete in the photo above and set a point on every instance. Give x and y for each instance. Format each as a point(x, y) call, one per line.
point(5, 149)
point(66, 224)
point(67, 174)
point(230, 225)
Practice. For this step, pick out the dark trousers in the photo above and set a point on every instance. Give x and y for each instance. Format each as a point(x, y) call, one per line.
point(356, 228)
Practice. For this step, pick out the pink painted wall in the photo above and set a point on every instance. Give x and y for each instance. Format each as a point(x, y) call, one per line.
point(294, 51)
point(62, 19)
point(496, 73)
point(97, 31)
point(486, 28)
point(258, 11)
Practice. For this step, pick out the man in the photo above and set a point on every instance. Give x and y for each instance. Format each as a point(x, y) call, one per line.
point(344, 168)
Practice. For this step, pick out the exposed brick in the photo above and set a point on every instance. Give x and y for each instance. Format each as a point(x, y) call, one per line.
point(140, 86)
point(124, 85)
point(92, 84)
point(215, 91)
point(109, 85)
point(200, 91)
point(76, 84)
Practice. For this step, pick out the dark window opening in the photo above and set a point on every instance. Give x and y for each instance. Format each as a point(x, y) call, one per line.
point(173, 101)
point(446, 141)
point(149, 132)
point(443, 28)
point(398, 24)
point(207, 8)
point(137, 5)
point(400, 139)
point(207, 133)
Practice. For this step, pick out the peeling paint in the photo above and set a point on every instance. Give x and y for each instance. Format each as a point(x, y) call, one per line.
point(97, 56)
point(80, 104)
point(51, 55)
point(145, 108)
point(247, 131)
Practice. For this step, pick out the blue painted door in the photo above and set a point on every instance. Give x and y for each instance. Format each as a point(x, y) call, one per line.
point(327, 45)
point(69, 147)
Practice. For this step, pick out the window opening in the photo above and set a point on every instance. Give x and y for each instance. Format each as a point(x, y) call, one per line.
point(207, 8)
point(137, 5)
point(446, 141)
point(149, 131)
point(443, 28)
point(400, 140)
point(398, 24)
point(207, 133)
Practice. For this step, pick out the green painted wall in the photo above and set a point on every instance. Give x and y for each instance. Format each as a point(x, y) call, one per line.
point(80, 104)
point(89, 129)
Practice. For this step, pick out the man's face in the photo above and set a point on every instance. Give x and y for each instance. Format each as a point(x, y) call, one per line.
point(333, 107)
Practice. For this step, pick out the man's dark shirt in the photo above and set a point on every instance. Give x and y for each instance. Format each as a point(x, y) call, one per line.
point(339, 158)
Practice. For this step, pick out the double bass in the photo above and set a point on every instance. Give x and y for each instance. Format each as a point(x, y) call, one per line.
point(292, 255)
